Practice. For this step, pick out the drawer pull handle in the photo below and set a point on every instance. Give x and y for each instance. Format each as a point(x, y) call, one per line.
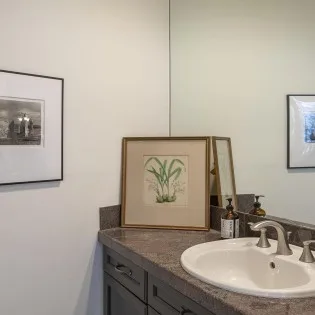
point(123, 270)
point(184, 311)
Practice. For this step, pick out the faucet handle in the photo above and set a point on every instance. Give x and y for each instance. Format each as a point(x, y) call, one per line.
point(263, 240)
point(307, 255)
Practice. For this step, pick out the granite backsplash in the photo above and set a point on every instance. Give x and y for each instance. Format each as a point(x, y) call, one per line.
point(110, 218)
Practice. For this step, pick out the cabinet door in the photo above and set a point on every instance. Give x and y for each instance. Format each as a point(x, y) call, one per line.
point(119, 301)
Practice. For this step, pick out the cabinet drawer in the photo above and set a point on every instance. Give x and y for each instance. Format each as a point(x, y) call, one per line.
point(168, 301)
point(126, 272)
point(118, 300)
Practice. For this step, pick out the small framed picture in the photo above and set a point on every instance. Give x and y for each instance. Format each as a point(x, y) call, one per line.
point(301, 131)
point(31, 128)
point(165, 182)
point(224, 171)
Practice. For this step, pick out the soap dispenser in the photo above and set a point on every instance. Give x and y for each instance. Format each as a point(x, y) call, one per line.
point(257, 210)
point(230, 222)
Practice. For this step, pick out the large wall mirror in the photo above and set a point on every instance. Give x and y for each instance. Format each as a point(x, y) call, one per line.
point(232, 64)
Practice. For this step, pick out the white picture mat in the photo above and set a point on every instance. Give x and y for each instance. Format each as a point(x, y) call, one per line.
point(34, 163)
point(301, 153)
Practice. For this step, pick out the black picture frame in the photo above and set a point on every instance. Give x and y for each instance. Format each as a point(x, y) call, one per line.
point(289, 166)
point(61, 177)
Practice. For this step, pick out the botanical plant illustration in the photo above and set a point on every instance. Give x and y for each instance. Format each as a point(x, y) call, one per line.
point(166, 178)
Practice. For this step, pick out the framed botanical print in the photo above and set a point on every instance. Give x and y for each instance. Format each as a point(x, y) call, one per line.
point(165, 182)
point(31, 128)
point(301, 131)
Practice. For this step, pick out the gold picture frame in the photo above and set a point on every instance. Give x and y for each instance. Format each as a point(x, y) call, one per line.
point(226, 187)
point(165, 183)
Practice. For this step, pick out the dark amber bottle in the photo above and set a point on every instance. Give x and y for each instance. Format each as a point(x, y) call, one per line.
point(258, 210)
point(230, 222)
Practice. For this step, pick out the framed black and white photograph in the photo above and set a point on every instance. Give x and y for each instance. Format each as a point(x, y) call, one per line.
point(31, 128)
point(301, 131)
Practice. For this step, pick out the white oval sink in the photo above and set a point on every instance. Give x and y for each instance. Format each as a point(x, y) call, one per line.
point(239, 265)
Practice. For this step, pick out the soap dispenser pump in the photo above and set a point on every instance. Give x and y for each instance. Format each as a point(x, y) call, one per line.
point(257, 210)
point(230, 222)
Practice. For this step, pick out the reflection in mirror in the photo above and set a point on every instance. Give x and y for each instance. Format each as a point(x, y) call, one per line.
point(224, 171)
point(232, 65)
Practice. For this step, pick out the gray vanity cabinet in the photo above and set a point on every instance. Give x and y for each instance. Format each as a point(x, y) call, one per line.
point(130, 290)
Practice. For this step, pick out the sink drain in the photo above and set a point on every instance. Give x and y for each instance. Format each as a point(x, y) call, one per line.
point(272, 265)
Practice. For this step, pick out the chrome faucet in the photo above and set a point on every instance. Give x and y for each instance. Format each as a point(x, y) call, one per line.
point(283, 245)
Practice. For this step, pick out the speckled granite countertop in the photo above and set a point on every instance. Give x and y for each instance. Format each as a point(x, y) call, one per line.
point(159, 251)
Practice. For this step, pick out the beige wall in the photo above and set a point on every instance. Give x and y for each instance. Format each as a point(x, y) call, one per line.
point(233, 62)
point(113, 55)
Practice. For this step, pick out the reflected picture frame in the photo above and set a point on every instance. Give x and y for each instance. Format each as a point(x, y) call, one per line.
point(219, 175)
point(165, 183)
point(300, 131)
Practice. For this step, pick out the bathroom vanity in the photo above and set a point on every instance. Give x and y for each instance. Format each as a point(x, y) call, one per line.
point(129, 289)
point(143, 275)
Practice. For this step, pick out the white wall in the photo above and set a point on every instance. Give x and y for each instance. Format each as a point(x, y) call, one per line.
point(113, 55)
point(233, 62)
